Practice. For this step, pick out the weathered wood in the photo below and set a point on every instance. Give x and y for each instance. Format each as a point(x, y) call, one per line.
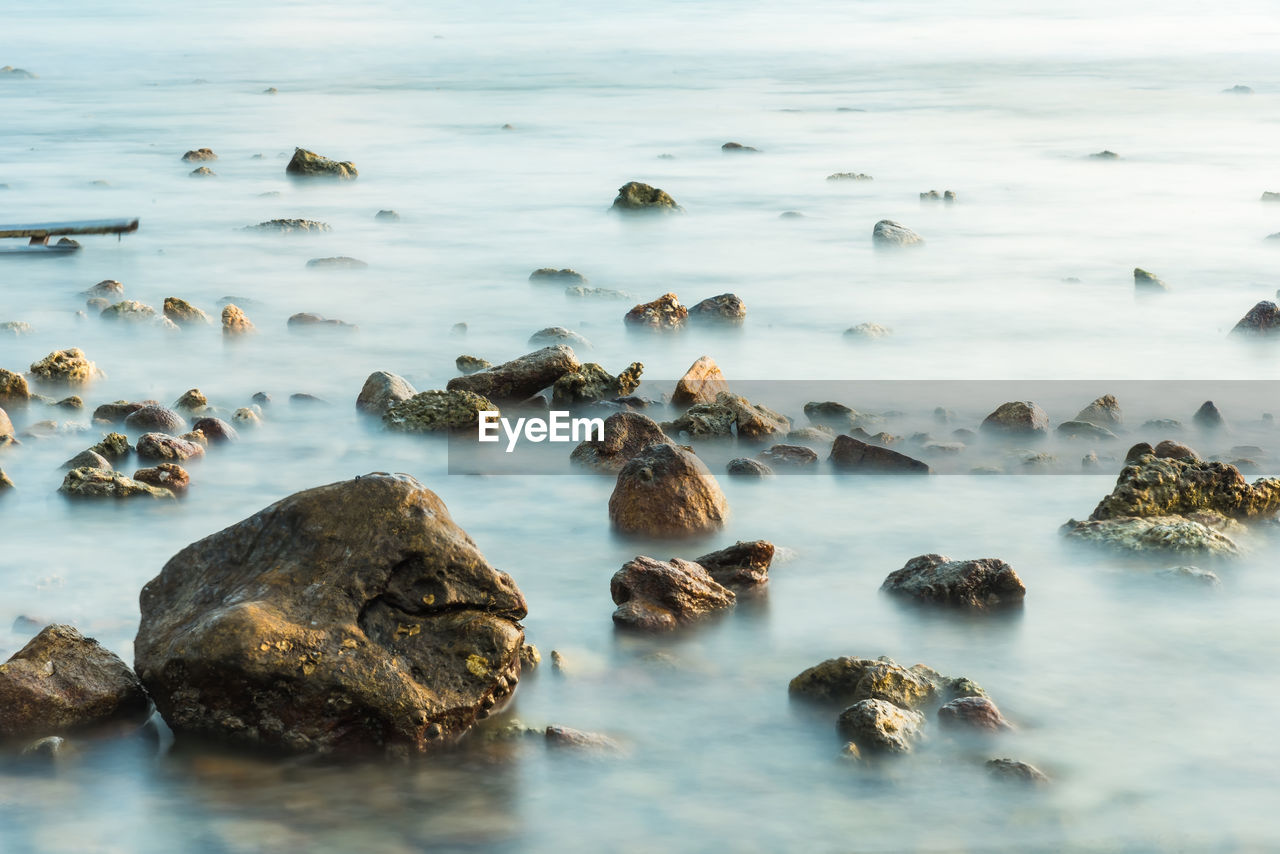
point(43, 231)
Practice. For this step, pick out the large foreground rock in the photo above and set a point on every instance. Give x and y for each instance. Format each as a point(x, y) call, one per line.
point(977, 585)
point(655, 596)
point(308, 164)
point(62, 681)
point(626, 434)
point(520, 378)
point(351, 617)
point(666, 491)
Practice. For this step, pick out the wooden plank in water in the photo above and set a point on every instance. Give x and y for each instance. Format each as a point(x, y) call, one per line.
point(86, 226)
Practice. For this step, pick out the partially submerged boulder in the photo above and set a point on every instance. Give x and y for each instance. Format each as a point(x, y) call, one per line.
point(337, 262)
point(215, 430)
point(558, 335)
point(381, 391)
point(14, 390)
point(1262, 319)
point(626, 434)
point(700, 384)
point(845, 680)
point(722, 310)
point(199, 155)
point(97, 483)
point(703, 421)
point(62, 681)
point(437, 411)
point(1018, 418)
point(155, 417)
point(1011, 770)
point(972, 713)
point(1206, 536)
point(666, 313)
point(666, 491)
point(161, 446)
point(470, 364)
point(308, 164)
point(977, 585)
point(1148, 282)
point(184, 313)
point(592, 382)
point(854, 455)
point(1103, 412)
point(747, 467)
point(655, 596)
point(742, 565)
point(235, 322)
point(890, 234)
point(65, 367)
point(788, 456)
point(1154, 486)
point(563, 276)
point(754, 421)
point(635, 197)
point(129, 311)
point(877, 725)
point(348, 618)
point(308, 320)
point(168, 476)
point(520, 378)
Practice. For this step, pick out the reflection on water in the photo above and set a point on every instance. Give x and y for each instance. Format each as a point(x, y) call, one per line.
point(1147, 701)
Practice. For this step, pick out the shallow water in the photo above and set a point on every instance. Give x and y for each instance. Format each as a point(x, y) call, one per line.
point(1149, 703)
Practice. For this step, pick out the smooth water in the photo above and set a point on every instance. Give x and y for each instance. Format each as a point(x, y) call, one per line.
point(1151, 704)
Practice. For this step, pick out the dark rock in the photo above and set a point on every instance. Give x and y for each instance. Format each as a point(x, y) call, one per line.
point(978, 585)
point(552, 276)
point(1020, 418)
point(308, 164)
point(626, 434)
point(5, 483)
point(592, 383)
point(1262, 319)
point(1103, 412)
point(1137, 452)
point(1012, 771)
point(1169, 449)
point(88, 459)
point(387, 216)
point(754, 421)
point(828, 413)
point(288, 226)
point(471, 364)
point(666, 491)
point(216, 430)
point(161, 446)
point(722, 310)
point(115, 413)
point(788, 456)
point(854, 455)
point(700, 384)
point(74, 402)
point(1085, 430)
point(888, 233)
point(437, 411)
point(972, 713)
point(636, 197)
point(745, 467)
point(62, 681)
point(741, 565)
point(655, 596)
point(351, 617)
point(737, 148)
point(381, 391)
point(1208, 417)
point(666, 313)
point(881, 726)
point(1144, 281)
point(337, 262)
point(165, 476)
point(520, 378)
point(305, 320)
point(1104, 155)
point(155, 418)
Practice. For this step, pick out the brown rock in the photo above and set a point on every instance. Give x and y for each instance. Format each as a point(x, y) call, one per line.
point(1144, 281)
point(746, 467)
point(307, 320)
point(1020, 418)
point(722, 310)
point(655, 596)
point(96, 483)
point(1262, 319)
point(592, 382)
point(381, 391)
point(755, 422)
point(741, 565)
point(520, 378)
point(635, 197)
point(216, 430)
point(666, 491)
point(878, 725)
point(152, 417)
point(1169, 449)
point(1153, 486)
point(972, 713)
point(1103, 412)
point(88, 459)
point(563, 276)
point(700, 384)
point(161, 446)
point(308, 164)
point(666, 313)
point(235, 321)
point(13, 389)
point(977, 585)
point(565, 738)
point(184, 313)
point(626, 434)
point(199, 155)
point(1016, 772)
point(65, 367)
point(854, 455)
point(165, 476)
point(788, 456)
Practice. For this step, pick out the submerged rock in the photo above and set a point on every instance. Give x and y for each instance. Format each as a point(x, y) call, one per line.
point(1105, 154)
point(114, 446)
point(829, 413)
point(567, 738)
point(1086, 431)
point(737, 148)
point(1262, 319)
point(1014, 771)
point(287, 226)
point(845, 680)
point(700, 384)
point(703, 421)
point(868, 330)
point(637, 197)
point(881, 726)
point(437, 411)
point(1177, 534)
point(1169, 449)
point(471, 364)
point(215, 430)
point(626, 434)
point(520, 378)
point(558, 335)
point(306, 320)
point(788, 456)
point(849, 176)
point(387, 216)
point(592, 382)
point(235, 321)
point(308, 164)
point(337, 262)
point(1204, 577)
point(722, 310)
point(5, 483)
point(192, 400)
point(14, 390)
point(746, 467)
point(97, 483)
point(978, 585)
point(66, 367)
point(1144, 281)
point(577, 292)
point(348, 618)
point(168, 476)
point(202, 172)
point(1208, 417)
point(1020, 418)
point(741, 565)
point(381, 391)
point(888, 233)
point(666, 491)
point(666, 313)
point(16, 328)
point(655, 596)
point(563, 276)
point(106, 288)
point(62, 681)
point(854, 455)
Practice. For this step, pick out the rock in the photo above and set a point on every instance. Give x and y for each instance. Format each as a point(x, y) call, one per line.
point(888, 233)
point(48, 749)
point(745, 467)
point(88, 459)
point(754, 421)
point(6, 426)
point(574, 291)
point(161, 446)
point(1020, 418)
point(823, 436)
point(1012, 771)
point(1204, 577)
point(199, 155)
point(97, 305)
point(655, 596)
point(437, 411)
point(1208, 417)
point(880, 725)
point(381, 391)
point(5, 483)
point(74, 402)
point(565, 738)
point(666, 491)
point(387, 216)
point(552, 276)
point(62, 681)
point(1238, 90)
point(165, 476)
point(592, 382)
point(308, 164)
point(13, 389)
point(16, 73)
point(791, 215)
point(96, 483)
point(1169, 449)
point(115, 413)
point(184, 313)
point(192, 400)
point(636, 197)
point(114, 446)
point(216, 430)
point(65, 367)
point(262, 398)
point(666, 313)
point(458, 330)
point(828, 413)
point(626, 434)
point(155, 418)
point(202, 172)
point(737, 148)
point(1085, 430)
point(520, 378)
point(304, 399)
point(1103, 412)
point(246, 417)
point(977, 585)
point(16, 328)
point(700, 384)
point(106, 288)
point(703, 421)
point(1155, 486)
point(287, 226)
point(558, 335)
point(741, 565)
point(722, 310)
point(1104, 155)
point(868, 330)
point(348, 618)
point(853, 455)
point(235, 321)
point(1178, 534)
point(848, 176)
point(788, 456)
point(306, 320)
point(337, 262)
point(1144, 281)
point(1270, 197)
point(129, 311)
point(977, 713)
point(471, 364)
point(1262, 319)
point(530, 658)
point(832, 682)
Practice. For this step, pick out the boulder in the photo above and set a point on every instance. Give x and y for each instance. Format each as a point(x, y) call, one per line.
point(16, 328)
point(199, 155)
point(105, 288)
point(129, 311)
point(741, 565)
point(1208, 417)
point(868, 330)
point(1159, 534)
point(1013, 771)
point(381, 391)
point(977, 585)
point(703, 421)
point(153, 417)
point(563, 276)
point(96, 483)
point(288, 226)
point(337, 262)
point(737, 148)
point(1148, 282)
point(1194, 574)
point(65, 367)
point(853, 455)
point(168, 476)
point(1103, 412)
point(700, 384)
point(116, 412)
point(666, 491)
point(558, 335)
point(161, 446)
point(655, 596)
point(14, 390)
point(470, 364)
point(592, 382)
point(845, 680)
point(754, 421)
point(1085, 431)
point(354, 617)
point(829, 413)
point(62, 681)
point(520, 378)
point(746, 467)
point(1154, 486)
point(1169, 449)
point(722, 310)
point(635, 197)
point(387, 216)
point(788, 456)
point(890, 234)
point(437, 411)
point(567, 738)
point(1018, 418)
point(202, 172)
point(114, 446)
point(192, 400)
point(666, 313)
point(235, 321)
point(308, 164)
point(973, 713)
point(579, 292)
point(626, 434)
point(88, 459)
point(878, 725)
point(1262, 319)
